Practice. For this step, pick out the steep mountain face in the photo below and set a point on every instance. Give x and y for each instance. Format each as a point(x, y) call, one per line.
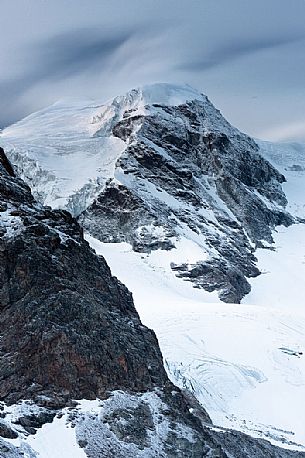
point(159, 164)
point(156, 169)
point(185, 170)
point(69, 330)
point(55, 293)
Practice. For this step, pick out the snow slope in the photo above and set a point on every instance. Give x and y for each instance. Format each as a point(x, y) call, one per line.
point(235, 358)
point(55, 150)
point(66, 152)
point(245, 363)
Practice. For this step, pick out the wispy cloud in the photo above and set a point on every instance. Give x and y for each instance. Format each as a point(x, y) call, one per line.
point(236, 49)
point(64, 55)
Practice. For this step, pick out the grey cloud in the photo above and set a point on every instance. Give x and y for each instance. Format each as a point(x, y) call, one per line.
point(73, 52)
point(237, 49)
point(60, 57)
point(67, 54)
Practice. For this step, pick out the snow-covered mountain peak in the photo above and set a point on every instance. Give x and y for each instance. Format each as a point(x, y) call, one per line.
point(148, 100)
point(159, 93)
point(151, 166)
point(67, 151)
point(139, 101)
point(163, 94)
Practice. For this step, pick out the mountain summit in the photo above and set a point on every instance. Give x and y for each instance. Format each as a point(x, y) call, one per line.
point(152, 167)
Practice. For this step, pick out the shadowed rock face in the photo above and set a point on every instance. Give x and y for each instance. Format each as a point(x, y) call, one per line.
point(186, 166)
point(68, 328)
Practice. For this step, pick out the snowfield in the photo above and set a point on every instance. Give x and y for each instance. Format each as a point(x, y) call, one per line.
point(243, 362)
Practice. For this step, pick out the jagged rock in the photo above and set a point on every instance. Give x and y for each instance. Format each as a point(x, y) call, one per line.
point(74, 331)
point(217, 274)
point(118, 215)
point(36, 420)
point(6, 431)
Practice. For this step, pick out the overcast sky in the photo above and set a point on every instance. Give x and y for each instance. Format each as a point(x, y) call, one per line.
point(248, 56)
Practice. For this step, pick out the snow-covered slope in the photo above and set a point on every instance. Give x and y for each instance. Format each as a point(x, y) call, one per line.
point(55, 151)
point(67, 151)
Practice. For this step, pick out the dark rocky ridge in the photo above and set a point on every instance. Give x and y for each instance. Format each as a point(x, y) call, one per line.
point(191, 154)
point(69, 330)
point(73, 328)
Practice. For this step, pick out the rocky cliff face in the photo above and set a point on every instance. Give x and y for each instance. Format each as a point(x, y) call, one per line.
point(71, 318)
point(186, 171)
point(69, 330)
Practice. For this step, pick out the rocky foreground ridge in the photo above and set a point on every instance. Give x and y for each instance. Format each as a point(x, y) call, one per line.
point(69, 330)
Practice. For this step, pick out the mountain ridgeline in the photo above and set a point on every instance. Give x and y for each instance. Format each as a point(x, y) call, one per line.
point(158, 164)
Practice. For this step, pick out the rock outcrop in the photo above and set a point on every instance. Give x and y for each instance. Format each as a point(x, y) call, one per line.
point(73, 328)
